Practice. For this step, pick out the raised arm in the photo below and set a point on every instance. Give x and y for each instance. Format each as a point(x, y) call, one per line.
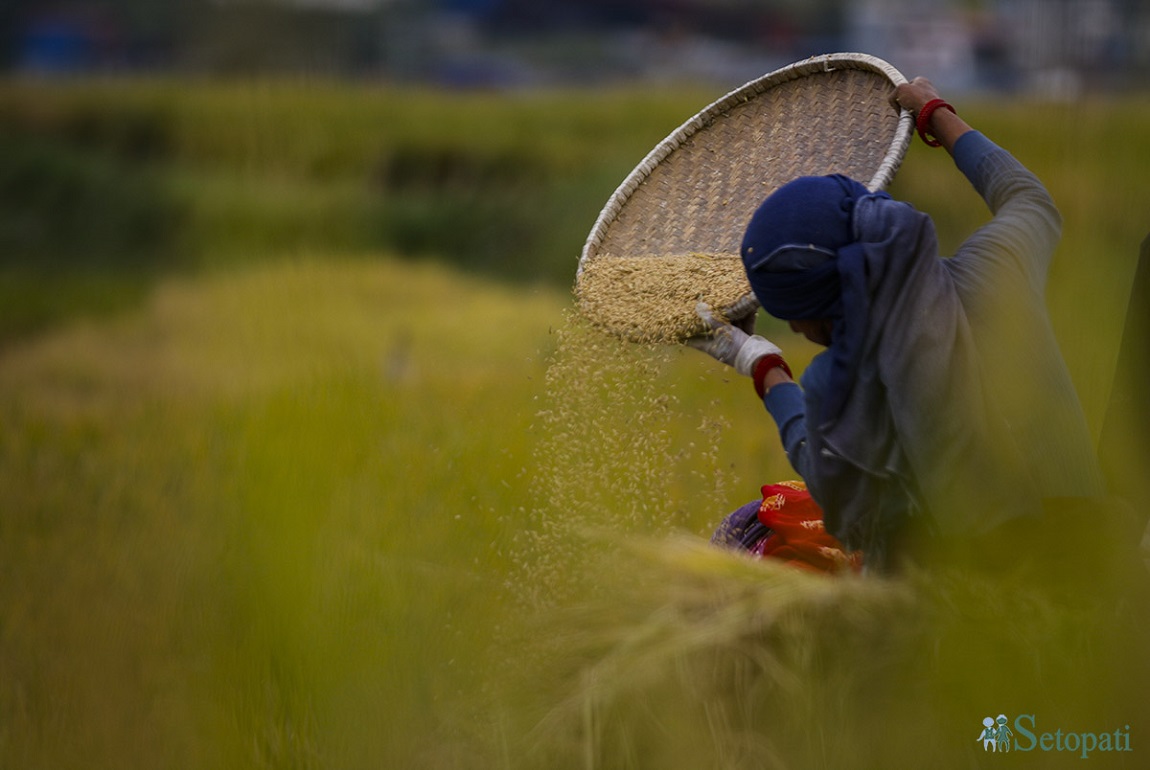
point(944, 124)
point(1021, 238)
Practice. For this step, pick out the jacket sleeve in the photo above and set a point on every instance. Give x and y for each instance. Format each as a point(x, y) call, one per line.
point(789, 405)
point(786, 405)
point(1019, 242)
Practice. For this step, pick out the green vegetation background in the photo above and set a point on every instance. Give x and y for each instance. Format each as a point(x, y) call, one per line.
point(278, 398)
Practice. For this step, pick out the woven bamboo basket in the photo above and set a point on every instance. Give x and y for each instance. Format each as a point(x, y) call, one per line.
point(669, 236)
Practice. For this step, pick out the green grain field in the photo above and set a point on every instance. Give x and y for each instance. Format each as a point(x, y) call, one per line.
point(306, 463)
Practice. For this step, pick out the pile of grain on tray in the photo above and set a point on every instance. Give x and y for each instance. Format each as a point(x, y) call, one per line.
point(653, 299)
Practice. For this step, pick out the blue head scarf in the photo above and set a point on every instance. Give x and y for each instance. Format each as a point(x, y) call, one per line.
point(803, 262)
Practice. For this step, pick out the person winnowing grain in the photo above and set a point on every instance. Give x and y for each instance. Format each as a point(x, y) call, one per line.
point(941, 411)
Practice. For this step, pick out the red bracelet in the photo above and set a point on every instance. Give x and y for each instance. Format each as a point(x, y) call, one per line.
point(922, 123)
point(764, 365)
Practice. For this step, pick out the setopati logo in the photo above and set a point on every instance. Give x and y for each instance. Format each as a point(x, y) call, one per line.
point(999, 735)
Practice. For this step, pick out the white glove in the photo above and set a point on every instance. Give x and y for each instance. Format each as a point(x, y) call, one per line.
point(731, 345)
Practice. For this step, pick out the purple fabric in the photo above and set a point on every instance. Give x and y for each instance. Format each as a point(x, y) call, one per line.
point(742, 528)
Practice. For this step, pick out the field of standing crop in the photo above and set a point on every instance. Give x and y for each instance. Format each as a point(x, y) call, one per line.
point(305, 463)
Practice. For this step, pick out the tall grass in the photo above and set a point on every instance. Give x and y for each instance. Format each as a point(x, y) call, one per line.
point(242, 528)
point(336, 509)
point(270, 519)
point(317, 515)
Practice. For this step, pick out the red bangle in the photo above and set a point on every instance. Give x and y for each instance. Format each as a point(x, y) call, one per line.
point(764, 365)
point(922, 123)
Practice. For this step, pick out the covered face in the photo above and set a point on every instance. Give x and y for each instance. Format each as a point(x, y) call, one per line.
point(791, 246)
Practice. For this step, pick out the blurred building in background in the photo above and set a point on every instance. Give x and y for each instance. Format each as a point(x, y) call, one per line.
point(1058, 47)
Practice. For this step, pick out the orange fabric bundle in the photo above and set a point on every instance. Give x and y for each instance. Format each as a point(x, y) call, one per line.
point(797, 535)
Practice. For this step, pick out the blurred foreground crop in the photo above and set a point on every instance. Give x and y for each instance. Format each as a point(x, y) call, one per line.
point(286, 517)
